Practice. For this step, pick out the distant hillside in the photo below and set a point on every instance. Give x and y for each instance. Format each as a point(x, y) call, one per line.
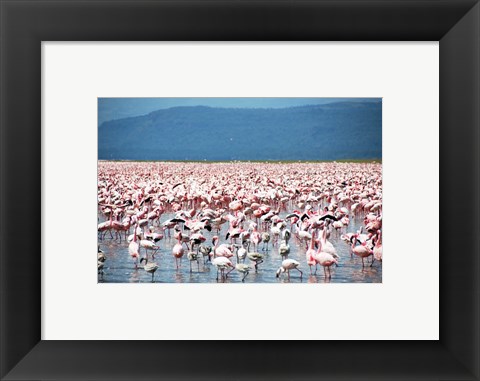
point(341, 130)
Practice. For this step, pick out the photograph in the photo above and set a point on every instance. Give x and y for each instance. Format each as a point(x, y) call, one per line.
point(239, 190)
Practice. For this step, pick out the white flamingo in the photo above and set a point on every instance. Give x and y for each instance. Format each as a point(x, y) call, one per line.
point(222, 264)
point(287, 265)
point(149, 267)
point(243, 268)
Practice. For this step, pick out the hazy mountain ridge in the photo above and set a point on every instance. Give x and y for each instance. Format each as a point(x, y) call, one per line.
point(340, 130)
point(119, 108)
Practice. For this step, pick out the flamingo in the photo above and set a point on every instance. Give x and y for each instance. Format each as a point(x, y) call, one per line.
point(377, 250)
point(182, 238)
point(241, 253)
point(287, 265)
point(361, 251)
point(103, 227)
point(304, 235)
point(326, 245)
point(168, 225)
point(286, 234)
point(149, 267)
point(244, 269)
point(100, 255)
point(324, 259)
point(255, 238)
point(178, 252)
point(133, 249)
point(100, 261)
point(196, 239)
point(284, 249)
point(193, 256)
point(275, 232)
point(223, 263)
point(310, 254)
point(205, 250)
point(221, 251)
point(255, 257)
point(265, 240)
point(151, 235)
point(149, 245)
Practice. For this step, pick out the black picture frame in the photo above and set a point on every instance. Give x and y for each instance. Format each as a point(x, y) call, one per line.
point(25, 24)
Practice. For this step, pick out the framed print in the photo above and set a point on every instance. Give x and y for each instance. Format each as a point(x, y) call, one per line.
point(52, 58)
point(350, 281)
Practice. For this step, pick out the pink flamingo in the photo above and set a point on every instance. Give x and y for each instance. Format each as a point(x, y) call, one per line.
point(324, 259)
point(178, 252)
point(220, 251)
point(361, 251)
point(310, 254)
point(255, 237)
point(133, 249)
point(377, 250)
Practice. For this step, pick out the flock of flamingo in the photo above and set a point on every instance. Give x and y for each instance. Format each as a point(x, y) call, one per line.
point(260, 206)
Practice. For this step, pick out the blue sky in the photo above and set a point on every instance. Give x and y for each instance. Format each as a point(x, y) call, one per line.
point(117, 108)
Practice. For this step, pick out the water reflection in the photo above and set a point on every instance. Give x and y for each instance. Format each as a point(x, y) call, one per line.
point(312, 279)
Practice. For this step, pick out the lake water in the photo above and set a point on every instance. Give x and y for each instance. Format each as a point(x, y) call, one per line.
point(119, 267)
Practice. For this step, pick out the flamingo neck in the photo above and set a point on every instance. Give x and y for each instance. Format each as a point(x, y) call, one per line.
point(354, 241)
point(319, 246)
point(312, 242)
point(135, 233)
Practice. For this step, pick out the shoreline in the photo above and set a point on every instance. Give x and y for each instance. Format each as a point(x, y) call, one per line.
point(366, 161)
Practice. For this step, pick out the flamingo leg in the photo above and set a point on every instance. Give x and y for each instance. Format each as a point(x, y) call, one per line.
point(301, 273)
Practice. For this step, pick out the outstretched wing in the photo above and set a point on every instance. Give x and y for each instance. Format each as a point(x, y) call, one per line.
point(329, 216)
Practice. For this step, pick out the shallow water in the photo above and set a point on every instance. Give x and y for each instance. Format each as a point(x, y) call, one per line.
point(119, 267)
